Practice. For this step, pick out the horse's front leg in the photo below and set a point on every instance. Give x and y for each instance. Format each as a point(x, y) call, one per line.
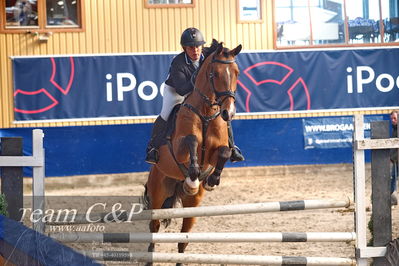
point(213, 180)
point(191, 184)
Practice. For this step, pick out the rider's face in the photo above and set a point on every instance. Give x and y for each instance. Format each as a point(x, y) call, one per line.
point(194, 52)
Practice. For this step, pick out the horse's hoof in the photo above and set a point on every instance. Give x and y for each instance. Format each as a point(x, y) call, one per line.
point(207, 187)
point(191, 187)
point(194, 171)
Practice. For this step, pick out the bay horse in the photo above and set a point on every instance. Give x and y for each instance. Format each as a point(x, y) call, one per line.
point(198, 148)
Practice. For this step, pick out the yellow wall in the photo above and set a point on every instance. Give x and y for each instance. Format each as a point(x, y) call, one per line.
point(126, 26)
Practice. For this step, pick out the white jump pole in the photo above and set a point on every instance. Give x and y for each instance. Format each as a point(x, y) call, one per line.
point(240, 209)
point(205, 211)
point(360, 189)
point(38, 179)
point(216, 258)
point(235, 237)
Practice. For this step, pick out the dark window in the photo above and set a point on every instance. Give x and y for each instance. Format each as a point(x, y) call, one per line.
point(21, 13)
point(40, 16)
point(62, 13)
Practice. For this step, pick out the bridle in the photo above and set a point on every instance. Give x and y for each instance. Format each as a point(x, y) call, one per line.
point(221, 96)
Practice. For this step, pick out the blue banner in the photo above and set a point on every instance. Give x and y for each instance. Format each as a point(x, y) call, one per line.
point(132, 85)
point(332, 132)
point(88, 87)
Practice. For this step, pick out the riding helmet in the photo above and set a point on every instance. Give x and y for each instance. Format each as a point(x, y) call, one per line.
point(192, 37)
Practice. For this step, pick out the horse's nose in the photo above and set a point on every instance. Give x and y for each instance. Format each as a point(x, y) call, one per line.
point(228, 109)
point(226, 115)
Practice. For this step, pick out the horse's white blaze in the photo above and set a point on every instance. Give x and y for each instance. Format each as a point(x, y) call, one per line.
point(232, 107)
point(232, 110)
point(228, 73)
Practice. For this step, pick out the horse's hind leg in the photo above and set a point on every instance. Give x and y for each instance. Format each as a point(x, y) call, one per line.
point(157, 193)
point(188, 223)
point(213, 180)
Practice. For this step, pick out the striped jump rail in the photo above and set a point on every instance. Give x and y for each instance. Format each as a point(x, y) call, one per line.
point(235, 237)
point(204, 211)
point(216, 258)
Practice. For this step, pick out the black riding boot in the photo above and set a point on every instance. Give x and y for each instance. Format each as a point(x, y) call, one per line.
point(157, 138)
point(236, 155)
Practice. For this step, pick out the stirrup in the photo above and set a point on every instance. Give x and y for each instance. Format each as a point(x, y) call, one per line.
point(236, 155)
point(152, 156)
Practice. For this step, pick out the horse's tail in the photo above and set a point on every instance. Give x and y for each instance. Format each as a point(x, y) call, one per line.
point(173, 201)
point(145, 199)
point(170, 202)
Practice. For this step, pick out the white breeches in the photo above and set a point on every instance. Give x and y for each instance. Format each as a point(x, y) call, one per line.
point(170, 99)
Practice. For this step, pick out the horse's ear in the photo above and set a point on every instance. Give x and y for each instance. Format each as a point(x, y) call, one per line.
point(214, 42)
point(236, 50)
point(219, 49)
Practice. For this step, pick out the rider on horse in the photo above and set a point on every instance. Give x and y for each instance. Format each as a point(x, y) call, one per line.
point(177, 86)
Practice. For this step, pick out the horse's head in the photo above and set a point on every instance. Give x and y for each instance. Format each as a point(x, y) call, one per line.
point(223, 74)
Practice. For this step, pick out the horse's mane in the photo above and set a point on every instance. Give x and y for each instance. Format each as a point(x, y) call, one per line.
point(209, 50)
